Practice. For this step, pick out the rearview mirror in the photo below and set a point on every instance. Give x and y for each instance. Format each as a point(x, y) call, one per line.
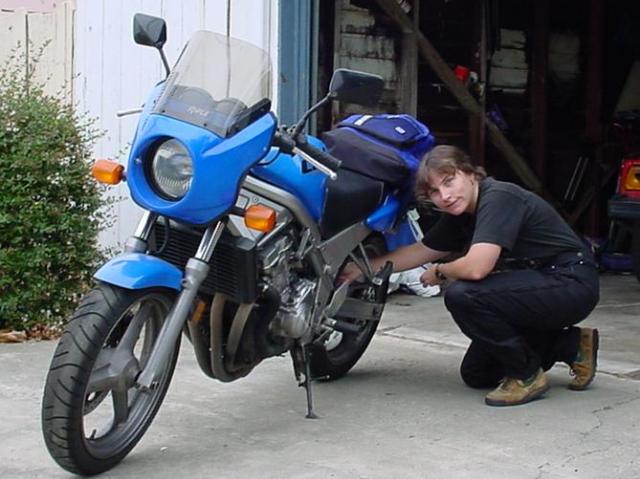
point(356, 87)
point(149, 31)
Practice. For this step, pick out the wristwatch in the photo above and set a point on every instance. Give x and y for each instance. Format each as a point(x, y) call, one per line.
point(439, 274)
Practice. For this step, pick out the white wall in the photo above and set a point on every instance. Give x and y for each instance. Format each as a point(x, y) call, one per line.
point(27, 25)
point(113, 73)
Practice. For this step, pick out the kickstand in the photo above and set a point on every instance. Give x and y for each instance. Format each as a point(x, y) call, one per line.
point(302, 370)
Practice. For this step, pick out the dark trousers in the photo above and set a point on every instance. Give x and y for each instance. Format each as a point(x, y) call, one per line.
point(522, 320)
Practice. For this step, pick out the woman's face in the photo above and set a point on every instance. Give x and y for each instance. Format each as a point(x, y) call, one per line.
point(453, 193)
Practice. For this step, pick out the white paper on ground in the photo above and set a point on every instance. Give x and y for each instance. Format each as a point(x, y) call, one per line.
point(410, 280)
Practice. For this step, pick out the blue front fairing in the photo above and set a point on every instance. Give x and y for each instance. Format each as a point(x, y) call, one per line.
point(218, 165)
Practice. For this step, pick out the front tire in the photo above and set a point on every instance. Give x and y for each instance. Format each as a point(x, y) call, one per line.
point(341, 351)
point(92, 415)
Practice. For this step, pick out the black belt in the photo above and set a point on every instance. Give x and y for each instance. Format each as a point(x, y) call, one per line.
point(562, 259)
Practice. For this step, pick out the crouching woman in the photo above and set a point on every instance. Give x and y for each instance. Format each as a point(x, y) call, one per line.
point(523, 282)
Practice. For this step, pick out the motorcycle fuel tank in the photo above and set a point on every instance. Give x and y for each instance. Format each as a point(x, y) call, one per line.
point(286, 172)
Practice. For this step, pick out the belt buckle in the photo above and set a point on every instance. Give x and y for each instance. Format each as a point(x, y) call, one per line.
point(535, 263)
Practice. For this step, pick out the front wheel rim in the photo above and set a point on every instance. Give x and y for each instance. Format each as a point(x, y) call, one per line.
point(112, 419)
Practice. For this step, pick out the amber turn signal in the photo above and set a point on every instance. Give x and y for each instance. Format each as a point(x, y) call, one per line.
point(260, 217)
point(107, 171)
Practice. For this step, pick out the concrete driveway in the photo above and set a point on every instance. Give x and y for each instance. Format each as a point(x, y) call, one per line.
point(401, 413)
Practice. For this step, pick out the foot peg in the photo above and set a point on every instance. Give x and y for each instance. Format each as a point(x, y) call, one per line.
point(381, 282)
point(369, 309)
point(343, 326)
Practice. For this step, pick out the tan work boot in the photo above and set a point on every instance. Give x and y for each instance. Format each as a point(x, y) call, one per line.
point(512, 392)
point(584, 367)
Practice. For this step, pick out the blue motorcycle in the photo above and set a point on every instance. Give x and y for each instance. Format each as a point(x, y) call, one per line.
point(247, 227)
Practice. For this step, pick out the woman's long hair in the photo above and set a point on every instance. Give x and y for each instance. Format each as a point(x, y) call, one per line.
point(443, 159)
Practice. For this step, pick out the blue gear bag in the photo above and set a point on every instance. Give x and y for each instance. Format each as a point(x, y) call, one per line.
point(385, 147)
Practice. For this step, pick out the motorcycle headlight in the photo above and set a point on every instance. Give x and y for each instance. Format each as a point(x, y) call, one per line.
point(172, 169)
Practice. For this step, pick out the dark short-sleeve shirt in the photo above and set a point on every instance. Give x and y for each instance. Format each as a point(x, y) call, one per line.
point(519, 221)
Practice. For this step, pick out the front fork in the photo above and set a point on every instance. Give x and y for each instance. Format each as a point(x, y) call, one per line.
point(196, 271)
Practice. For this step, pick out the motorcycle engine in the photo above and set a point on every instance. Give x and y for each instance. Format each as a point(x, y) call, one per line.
point(278, 268)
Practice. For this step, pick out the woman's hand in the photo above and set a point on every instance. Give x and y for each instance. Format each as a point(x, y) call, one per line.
point(429, 277)
point(349, 273)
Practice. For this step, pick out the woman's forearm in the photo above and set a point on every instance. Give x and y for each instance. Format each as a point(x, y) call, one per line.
point(408, 257)
point(479, 261)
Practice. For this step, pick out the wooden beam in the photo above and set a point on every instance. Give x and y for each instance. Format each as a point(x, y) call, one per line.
point(539, 85)
point(409, 67)
point(459, 91)
point(594, 71)
point(591, 194)
point(593, 100)
point(477, 130)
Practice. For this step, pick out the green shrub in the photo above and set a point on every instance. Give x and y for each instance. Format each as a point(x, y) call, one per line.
point(49, 204)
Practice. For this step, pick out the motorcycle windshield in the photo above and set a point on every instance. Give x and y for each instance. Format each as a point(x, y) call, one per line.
point(219, 83)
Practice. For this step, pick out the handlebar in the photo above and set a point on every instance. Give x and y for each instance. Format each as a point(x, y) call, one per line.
point(284, 141)
point(323, 157)
point(323, 161)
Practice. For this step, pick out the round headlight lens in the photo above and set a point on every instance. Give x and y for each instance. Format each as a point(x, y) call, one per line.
point(172, 169)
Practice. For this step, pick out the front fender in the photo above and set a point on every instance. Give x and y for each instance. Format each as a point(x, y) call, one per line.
point(139, 271)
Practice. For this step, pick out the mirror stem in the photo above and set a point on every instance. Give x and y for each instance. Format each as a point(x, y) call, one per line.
point(164, 61)
point(300, 125)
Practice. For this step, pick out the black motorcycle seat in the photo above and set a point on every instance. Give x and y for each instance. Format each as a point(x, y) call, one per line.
point(350, 198)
